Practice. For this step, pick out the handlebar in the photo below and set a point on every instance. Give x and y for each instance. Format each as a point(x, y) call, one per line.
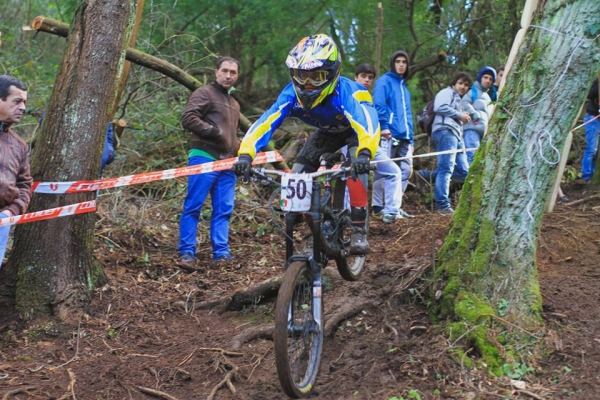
point(263, 173)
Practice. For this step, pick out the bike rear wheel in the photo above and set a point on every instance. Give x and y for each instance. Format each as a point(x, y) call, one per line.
point(349, 267)
point(298, 338)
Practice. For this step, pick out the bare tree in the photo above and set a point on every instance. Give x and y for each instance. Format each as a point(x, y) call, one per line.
point(52, 268)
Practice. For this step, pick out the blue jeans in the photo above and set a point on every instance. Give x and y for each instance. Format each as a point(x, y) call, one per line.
point(450, 166)
point(4, 231)
point(221, 186)
point(588, 162)
point(472, 141)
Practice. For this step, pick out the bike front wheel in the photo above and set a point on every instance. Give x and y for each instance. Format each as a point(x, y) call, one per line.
point(298, 338)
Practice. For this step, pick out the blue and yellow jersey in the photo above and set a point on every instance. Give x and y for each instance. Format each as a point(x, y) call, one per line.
point(350, 105)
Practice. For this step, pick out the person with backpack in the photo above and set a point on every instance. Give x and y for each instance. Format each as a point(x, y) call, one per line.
point(392, 101)
point(447, 135)
point(476, 102)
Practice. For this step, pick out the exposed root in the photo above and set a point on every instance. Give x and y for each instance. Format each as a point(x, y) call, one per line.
point(344, 312)
point(156, 393)
point(263, 331)
point(239, 299)
point(226, 381)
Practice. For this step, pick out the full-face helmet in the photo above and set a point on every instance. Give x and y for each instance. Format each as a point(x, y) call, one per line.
point(314, 65)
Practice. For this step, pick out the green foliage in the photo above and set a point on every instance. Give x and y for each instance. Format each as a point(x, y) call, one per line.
point(516, 370)
point(502, 307)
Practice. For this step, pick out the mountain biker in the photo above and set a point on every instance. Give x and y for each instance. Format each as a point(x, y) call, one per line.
point(338, 107)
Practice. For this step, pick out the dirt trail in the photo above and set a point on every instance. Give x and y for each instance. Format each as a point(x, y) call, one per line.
point(135, 342)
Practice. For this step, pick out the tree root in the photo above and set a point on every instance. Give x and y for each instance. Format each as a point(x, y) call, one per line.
point(156, 393)
point(247, 335)
point(344, 312)
point(239, 299)
point(226, 381)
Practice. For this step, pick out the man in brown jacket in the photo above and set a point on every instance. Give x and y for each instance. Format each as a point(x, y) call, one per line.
point(212, 116)
point(15, 178)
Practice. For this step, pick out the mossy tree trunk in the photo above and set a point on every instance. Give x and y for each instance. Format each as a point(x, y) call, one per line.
point(51, 269)
point(487, 266)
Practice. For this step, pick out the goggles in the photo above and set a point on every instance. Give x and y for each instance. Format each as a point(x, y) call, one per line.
point(315, 77)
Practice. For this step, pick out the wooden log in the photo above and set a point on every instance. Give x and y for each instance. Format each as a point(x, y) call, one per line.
point(49, 25)
point(59, 28)
point(428, 62)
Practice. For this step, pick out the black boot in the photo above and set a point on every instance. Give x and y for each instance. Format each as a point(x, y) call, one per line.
point(359, 245)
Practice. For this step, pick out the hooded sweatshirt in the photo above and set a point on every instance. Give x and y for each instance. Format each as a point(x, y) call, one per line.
point(477, 109)
point(392, 101)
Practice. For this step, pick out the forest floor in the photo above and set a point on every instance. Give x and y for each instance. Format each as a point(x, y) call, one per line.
point(137, 342)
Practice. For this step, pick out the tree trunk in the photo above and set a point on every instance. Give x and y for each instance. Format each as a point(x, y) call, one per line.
point(487, 262)
point(52, 263)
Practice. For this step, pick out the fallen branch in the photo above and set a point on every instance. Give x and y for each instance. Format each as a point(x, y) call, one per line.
point(71, 386)
point(573, 203)
point(17, 391)
point(264, 331)
point(226, 381)
point(238, 299)
point(59, 28)
point(156, 393)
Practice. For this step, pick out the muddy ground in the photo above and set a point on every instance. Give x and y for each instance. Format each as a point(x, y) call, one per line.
point(138, 342)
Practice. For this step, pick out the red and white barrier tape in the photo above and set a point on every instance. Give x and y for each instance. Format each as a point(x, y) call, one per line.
point(91, 186)
point(73, 209)
point(437, 153)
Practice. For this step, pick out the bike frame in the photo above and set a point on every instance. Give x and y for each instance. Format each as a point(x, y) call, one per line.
point(315, 259)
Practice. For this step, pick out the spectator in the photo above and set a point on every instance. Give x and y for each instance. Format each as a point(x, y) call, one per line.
point(392, 101)
point(496, 86)
point(212, 116)
point(15, 177)
point(387, 184)
point(592, 130)
point(476, 102)
point(447, 135)
point(338, 107)
point(365, 75)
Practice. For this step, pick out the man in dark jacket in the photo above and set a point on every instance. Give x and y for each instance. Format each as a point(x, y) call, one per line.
point(212, 116)
point(15, 178)
point(592, 130)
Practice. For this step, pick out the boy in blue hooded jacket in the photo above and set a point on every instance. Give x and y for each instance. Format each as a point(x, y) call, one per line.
point(392, 102)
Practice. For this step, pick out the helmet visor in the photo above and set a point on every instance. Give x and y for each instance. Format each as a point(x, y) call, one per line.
point(315, 77)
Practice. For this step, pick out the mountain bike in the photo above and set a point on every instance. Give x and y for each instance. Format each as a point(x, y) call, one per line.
point(298, 336)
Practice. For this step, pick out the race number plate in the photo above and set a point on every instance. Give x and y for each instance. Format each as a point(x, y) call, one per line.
point(296, 192)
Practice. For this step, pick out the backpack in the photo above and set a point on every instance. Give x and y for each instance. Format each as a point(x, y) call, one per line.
point(425, 118)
